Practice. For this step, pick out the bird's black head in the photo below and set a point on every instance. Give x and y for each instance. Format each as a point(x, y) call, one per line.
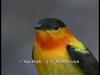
point(49, 24)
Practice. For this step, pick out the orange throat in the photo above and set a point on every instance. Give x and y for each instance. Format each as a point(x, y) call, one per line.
point(47, 42)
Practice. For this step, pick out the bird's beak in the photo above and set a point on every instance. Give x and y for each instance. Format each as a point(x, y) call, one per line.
point(38, 26)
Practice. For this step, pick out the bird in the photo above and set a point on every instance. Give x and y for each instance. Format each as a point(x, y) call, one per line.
point(59, 51)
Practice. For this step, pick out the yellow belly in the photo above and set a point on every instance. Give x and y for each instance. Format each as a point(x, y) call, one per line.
point(54, 68)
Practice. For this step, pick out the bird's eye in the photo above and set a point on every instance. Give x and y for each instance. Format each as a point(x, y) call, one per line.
point(56, 27)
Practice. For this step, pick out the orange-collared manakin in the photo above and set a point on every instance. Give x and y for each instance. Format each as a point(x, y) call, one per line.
point(60, 52)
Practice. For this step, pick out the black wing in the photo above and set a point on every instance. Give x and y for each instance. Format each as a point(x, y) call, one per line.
point(87, 61)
